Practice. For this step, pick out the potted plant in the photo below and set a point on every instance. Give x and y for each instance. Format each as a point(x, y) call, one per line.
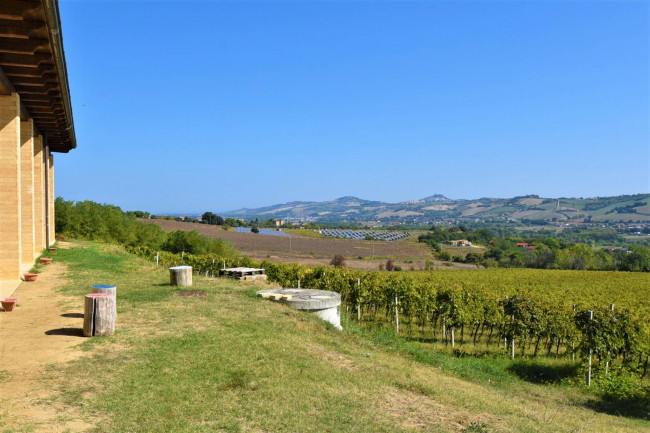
point(8, 303)
point(52, 250)
point(30, 276)
point(46, 260)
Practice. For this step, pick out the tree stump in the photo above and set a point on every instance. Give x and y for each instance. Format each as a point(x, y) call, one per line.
point(100, 312)
point(105, 288)
point(180, 276)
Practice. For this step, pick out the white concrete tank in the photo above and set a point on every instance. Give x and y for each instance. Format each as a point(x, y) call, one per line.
point(324, 304)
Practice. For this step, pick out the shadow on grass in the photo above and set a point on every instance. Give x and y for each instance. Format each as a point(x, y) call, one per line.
point(543, 372)
point(630, 408)
point(422, 339)
point(73, 315)
point(69, 332)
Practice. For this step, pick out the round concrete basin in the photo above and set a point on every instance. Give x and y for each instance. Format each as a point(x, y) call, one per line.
point(324, 304)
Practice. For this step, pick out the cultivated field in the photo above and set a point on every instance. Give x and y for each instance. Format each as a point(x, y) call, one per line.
point(309, 250)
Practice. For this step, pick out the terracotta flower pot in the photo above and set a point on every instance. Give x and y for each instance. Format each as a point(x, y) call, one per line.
point(29, 276)
point(8, 303)
point(53, 250)
point(46, 260)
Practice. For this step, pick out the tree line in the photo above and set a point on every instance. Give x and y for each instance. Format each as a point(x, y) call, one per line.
point(107, 223)
point(540, 253)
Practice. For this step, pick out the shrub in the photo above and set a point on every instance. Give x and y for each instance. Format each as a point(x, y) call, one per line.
point(621, 384)
point(491, 263)
point(389, 265)
point(220, 247)
point(338, 261)
point(189, 242)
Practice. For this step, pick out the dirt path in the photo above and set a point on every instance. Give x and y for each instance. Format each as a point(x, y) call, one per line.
point(43, 329)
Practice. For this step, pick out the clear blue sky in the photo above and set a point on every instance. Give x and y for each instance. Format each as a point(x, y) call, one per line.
point(215, 105)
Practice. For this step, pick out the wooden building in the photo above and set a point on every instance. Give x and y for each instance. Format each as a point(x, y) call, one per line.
point(35, 123)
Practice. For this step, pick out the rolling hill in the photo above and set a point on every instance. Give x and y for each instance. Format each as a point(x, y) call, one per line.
point(623, 208)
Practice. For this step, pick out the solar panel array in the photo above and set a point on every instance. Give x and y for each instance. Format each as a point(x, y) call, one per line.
point(262, 231)
point(361, 234)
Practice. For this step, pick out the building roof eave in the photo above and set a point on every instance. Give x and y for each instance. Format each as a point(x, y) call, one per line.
point(56, 38)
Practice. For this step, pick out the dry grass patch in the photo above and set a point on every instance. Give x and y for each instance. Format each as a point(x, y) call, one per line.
point(331, 357)
point(415, 411)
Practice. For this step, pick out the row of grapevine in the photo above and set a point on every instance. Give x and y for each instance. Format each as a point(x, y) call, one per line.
point(463, 312)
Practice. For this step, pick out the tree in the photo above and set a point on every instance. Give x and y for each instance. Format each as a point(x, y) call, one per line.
point(494, 254)
point(138, 214)
point(232, 222)
point(474, 258)
point(480, 236)
point(209, 218)
point(637, 259)
point(389, 265)
point(578, 257)
point(436, 234)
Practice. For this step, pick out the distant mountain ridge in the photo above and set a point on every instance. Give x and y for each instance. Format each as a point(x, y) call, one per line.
point(623, 208)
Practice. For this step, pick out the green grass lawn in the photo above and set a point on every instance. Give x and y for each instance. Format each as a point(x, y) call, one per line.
point(231, 361)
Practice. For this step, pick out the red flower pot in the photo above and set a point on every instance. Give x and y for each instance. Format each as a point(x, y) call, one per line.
point(53, 250)
point(29, 276)
point(46, 260)
point(8, 303)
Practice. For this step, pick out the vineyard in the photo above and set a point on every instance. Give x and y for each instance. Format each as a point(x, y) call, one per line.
point(577, 314)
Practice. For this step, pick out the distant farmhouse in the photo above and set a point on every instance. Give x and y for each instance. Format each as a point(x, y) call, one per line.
point(461, 243)
point(35, 122)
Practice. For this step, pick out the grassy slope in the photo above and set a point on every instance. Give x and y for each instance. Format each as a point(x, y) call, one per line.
point(230, 361)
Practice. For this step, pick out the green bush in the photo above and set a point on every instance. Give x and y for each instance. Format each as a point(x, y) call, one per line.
point(621, 384)
point(189, 242)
